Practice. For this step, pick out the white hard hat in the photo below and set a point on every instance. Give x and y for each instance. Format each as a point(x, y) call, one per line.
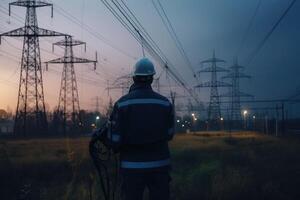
point(144, 67)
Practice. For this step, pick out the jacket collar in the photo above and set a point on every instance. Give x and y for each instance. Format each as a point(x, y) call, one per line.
point(140, 86)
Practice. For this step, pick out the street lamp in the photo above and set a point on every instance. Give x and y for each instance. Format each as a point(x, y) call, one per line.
point(222, 126)
point(245, 114)
point(96, 122)
point(253, 122)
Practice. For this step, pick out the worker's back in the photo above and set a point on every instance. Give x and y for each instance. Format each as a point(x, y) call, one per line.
point(145, 117)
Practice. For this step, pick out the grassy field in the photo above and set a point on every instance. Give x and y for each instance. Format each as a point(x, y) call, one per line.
point(205, 166)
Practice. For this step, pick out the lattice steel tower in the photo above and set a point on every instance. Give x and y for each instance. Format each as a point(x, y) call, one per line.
point(30, 114)
point(123, 82)
point(234, 93)
point(214, 112)
point(68, 104)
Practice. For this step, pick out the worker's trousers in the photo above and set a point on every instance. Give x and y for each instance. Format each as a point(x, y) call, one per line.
point(134, 184)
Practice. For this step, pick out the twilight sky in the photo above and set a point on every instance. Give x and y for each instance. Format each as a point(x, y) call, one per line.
point(201, 26)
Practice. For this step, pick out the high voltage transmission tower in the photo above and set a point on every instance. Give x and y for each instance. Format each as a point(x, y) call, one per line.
point(124, 83)
point(68, 104)
point(235, 94)
point(156, 84)
point(214, 112)
point(96, 103)
point(30, 114)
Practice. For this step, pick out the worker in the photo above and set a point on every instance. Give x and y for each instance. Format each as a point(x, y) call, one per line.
point(140, 126)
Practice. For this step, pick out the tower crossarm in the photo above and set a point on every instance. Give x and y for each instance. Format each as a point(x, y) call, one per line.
point(205, 84)
point(114, 87)
point(69, 43)
point(238, 94)
point(30, 3)
point(213, 69)
point(236, 66)
point(213, 84)
point(213, 60)
point(34, 32)
point(222, 84)
point(70, 60)
point(242, 75)
point(46, 33)
point(236, 75)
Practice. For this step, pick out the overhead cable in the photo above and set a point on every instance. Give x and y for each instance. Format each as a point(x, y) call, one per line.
point(262, 43)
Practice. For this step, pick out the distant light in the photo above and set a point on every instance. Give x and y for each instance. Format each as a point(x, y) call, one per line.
point(92, 125)
point(178, 120)
point(182, 125)
point(186, 121)
point(97, 117)
point(254, 117)
point(193, 114)
point(222, 119)
point(245, 112)
point(195, 119)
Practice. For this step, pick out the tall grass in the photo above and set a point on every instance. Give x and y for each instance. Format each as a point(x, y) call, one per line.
point(218, 166)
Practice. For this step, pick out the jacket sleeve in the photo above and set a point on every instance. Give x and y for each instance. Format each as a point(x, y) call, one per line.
point(114, 135)
point(171, 123)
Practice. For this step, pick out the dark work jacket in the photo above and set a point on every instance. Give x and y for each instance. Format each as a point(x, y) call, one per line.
point(141, 124)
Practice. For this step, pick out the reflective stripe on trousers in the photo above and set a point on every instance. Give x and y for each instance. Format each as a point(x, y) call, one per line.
point(145, 165)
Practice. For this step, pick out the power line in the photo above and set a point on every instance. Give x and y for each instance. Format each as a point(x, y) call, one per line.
point(135, 32)
point(119, 18)
point(248, 28)
point(90, 30)
point(12, 57)
point(130, 22)
point(140, 26)
point(262, 43)
point(173, 34)
point(136, 29)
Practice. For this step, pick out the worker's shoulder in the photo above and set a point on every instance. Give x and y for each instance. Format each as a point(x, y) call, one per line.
point(159, 96)
point(123, 98)
point(143, 95)
point(147, 94)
